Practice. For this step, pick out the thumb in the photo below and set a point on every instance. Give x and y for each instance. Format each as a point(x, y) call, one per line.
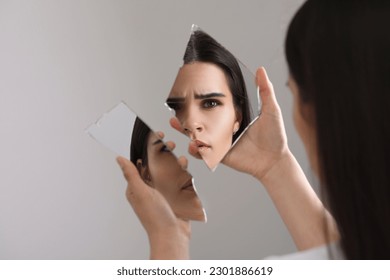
point(130, 172)
point(266, 91)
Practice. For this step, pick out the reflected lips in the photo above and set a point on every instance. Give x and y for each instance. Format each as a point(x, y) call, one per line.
point(201, 145)
point(188, 185)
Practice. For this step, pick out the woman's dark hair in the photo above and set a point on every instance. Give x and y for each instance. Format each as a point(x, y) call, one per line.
point(203, 48)
point(139, 141)
point(338, 52)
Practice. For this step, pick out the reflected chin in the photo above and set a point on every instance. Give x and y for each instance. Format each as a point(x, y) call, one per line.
point(211, 162)
point(212, 157)
point(201, 217)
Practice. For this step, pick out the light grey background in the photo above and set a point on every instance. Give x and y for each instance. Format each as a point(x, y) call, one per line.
point(64, 63)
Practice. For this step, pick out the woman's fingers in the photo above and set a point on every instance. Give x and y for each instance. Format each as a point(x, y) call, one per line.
point(266, 92)
point(174, 122)
point(130, 172)
point(135, 183)
point(192, 147)
point(183, 162)
point(170, 145)
point(194, 150)
point(160, 134)
point(151, 207)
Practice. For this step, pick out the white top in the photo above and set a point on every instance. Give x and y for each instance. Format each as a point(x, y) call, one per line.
point(326, 252)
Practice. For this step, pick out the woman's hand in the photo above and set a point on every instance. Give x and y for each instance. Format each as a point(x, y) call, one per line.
point(181, 160)
point(264, 144)
point(262, 151)
point(168, 235)
point(192, 146)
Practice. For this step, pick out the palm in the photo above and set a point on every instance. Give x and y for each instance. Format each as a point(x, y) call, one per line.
point(152, 209)
point(265, 142)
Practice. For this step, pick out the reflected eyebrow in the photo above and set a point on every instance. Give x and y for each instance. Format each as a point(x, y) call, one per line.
point(201, 96)
point(175, 99)
point(157, 142)
point(209, 95)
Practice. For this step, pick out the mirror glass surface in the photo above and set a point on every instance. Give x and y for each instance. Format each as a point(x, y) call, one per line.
point(114, 129)
point(121, 131)
point(214, 98)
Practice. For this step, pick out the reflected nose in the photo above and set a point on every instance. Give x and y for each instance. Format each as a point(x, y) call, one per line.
point(191, 130)
point(192, 124)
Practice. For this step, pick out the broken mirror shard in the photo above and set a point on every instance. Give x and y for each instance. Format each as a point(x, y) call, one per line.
point(121, 131)
point(114, 129)
point(214, 98)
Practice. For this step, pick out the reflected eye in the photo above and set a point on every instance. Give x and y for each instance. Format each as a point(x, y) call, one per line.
point(211, 103)
point(164, 149)
point(176, 106)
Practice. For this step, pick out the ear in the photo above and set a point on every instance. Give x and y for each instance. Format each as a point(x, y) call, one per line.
point(144, 172)
point(237, 123)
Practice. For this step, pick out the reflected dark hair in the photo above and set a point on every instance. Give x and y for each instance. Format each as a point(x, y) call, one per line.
point(203, 48)
point(139, 141)
point(338, 52)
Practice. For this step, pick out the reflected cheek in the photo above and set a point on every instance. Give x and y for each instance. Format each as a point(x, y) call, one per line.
point(162, 181)
point(223, 125)
point(164, 172)
point(221, 129)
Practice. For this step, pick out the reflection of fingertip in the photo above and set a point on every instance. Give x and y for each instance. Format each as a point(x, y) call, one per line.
point(171, 145)
point(160, 134)
point(172, 121)
point(183, 162)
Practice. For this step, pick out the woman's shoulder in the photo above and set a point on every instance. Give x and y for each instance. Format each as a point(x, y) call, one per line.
point(331, 251)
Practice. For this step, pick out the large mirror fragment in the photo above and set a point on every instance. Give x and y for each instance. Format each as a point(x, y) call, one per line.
point(121, 131)
point(214, 98)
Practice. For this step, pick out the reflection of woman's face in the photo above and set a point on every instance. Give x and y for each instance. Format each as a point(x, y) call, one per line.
point(175, 184)
point(204, 105)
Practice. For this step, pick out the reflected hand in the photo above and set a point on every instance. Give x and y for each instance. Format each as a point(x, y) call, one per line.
point(193, 149)
point(168, 235)
point(181, 160)
point(265, 142)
